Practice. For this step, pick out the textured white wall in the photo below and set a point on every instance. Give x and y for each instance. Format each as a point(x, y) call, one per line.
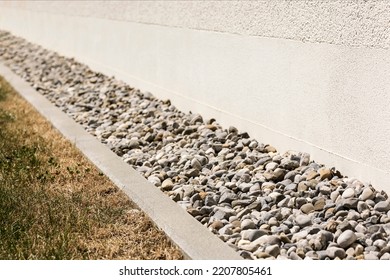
point(345, 22)
point(325, 92)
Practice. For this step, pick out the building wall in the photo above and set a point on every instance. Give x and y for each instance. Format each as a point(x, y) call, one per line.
point(300, 75)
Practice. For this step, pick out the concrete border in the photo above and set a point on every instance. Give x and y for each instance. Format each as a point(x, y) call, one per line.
point(195, 241)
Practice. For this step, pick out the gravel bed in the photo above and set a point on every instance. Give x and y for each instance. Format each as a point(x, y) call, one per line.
point(261, 202)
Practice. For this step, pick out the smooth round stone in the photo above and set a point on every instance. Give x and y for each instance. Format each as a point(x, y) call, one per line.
point(325, 236)
point(365, 214)
point(360, 228)
point(302, 186)
point(385, 256)
point(299, 235)
point(154, 180)
point(370, 203)
point(246, 255)
point(284, 202)
point(334, 252)
point(380, 243)
point(209, 201)
point(167, 185)
point(334, 195)
point(261, 255)
point(243, 242)
point(311, 175)
point(268, 240)
point(300, 201)
point(325, 174)
point(188, 191)
point(325, 190)
point(223, 213)
point(346, 239)
point(307, 208)
point(217, 225)
point(382, 206)
point(227, 197)
point(133, 144)
point(268, 185)
point(294, 256)
point(361, 206)
point(285, 212)
point(251, 247)
point(348, 193)
point(303, 220)
point(353, 215)
point(252, 234)
point(291, 175)
point(271, 166)
point(247, 224)
point(226, 230)
point(319, 204)
point(273, 250)
point(349, 203)
point(370, 256)
point(295, 229)
point(291, 187)
point(273, 222)
point(322, 254)
point(367, 193)
point(196, 164)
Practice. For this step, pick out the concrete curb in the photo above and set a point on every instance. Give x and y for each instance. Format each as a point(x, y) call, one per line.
point(195, 241)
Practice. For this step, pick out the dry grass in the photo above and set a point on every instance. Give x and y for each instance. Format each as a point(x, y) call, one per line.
point(54, 204)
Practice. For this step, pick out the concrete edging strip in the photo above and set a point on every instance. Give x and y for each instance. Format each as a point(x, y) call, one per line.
point(195, 241)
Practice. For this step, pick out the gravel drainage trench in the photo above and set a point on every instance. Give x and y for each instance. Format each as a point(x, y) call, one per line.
point(260, 202)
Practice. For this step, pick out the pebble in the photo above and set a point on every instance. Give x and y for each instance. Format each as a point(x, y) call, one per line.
point(252, 234)
point(382, 206)
point(247, 224)
point(262, 203)
point(346, 239)
point(367, 193)
point(303, 220)
point(307, 208)
point(335, 252)
point(385, 256)
point(348, 193)
point(370, 256)
point(167, 185)
point(302, 186)
point(325, 174)
point(273, 250)
point(311, 175)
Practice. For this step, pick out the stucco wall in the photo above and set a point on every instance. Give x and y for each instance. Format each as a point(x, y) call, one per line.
point(345, 22)
point(312, 76)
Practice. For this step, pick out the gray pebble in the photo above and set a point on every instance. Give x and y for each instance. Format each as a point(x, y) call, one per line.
point(252, 234)
point(382, 206)
point(247, 224)
point(334, 252)
point(346, 239)
point(303, 220)
point(273, 250)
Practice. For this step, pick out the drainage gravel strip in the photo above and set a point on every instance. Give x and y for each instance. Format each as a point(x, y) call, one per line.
point(262, 203)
